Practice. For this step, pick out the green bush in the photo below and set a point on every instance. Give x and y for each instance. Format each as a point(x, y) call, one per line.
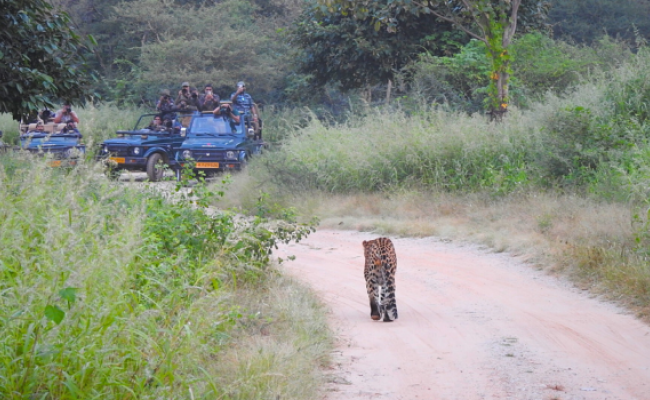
point(539, 65)
point(106, 289)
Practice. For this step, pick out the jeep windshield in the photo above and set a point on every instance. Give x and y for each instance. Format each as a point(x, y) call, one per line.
point(144, 125)
point(214, 126)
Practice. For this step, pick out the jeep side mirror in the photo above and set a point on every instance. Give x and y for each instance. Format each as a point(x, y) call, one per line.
point(250, 132)
point(183, 132)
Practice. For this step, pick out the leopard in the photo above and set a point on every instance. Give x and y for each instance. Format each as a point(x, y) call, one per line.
point(381, 264)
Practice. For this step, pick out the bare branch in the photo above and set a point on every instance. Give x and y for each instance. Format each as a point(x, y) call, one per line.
point(513, 23)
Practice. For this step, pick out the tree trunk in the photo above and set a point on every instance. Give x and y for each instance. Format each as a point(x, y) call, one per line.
point(389, 86)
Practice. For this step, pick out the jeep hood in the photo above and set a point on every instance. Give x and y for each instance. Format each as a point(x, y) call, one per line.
point(212, 142)
point(43, 145)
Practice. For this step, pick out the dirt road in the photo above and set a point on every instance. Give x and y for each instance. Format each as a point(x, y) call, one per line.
point(472, 325)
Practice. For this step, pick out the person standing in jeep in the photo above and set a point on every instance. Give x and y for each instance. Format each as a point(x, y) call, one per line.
point(165, 106)
point(65, 114)
point(208, 100)
point(183, 94)
point(243, 102)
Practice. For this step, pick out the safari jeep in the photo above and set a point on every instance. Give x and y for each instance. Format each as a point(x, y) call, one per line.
point(144, 149)
point(214, 145)
point(65, 147)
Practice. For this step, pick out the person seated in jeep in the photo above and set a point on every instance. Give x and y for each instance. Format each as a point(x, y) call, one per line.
point(70, 127)
point(40, 126)
point(46, 115)
point(156, 124)
point(227, 112)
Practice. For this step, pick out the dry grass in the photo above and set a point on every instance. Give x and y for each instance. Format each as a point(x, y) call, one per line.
point(587, 240)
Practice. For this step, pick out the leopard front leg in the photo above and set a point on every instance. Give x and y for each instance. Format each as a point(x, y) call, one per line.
point(372, 286)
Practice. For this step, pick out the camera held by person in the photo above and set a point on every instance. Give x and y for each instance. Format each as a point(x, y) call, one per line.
point(226, 111)
point(65, 114)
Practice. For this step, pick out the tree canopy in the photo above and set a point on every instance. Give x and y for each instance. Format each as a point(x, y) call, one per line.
point(586, 21)
point(349, 50)
point(493, 22)
point(42, 59)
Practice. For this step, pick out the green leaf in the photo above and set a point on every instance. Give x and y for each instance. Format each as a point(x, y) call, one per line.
point(54, 313)
point(69, 294)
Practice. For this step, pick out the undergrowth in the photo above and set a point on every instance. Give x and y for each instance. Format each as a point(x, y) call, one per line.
point(115, 292)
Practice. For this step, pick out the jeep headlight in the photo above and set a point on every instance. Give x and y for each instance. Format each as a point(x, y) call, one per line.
point(104, 149)
point(136, 151)
point(186, 154)
point(230, 155)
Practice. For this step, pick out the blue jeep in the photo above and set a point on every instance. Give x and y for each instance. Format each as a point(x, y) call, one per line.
point(216, 144)
point(64, 146)
point(144, 148)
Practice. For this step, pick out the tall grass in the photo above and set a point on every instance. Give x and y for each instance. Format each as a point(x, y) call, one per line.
point(112, 292)
point(573, 139)
point(386, 149)
point(567, 177)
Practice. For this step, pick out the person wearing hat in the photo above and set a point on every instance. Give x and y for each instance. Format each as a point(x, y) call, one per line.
point(243, 102)
point(184, 94)
point(165, 105)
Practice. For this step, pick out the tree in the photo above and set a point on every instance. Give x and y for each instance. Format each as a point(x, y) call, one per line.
point(41, 58)
point(341, 48)
point(586, 21)
point(493, 22)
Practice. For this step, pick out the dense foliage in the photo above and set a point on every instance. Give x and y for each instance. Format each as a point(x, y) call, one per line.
point(147, 45)
point(539, 65)
point(337, 48)
point(117, 293)
point(42, 60)
point(592, 137)
point(494, 22)
point(586, 21)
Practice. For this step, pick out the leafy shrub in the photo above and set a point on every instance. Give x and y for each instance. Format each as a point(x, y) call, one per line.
point(106, 289)
point(539, 65)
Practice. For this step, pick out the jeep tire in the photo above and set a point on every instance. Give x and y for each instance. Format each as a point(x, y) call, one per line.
point(155, 167)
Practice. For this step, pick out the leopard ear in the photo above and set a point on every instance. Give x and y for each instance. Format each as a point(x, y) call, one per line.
point(364, 243)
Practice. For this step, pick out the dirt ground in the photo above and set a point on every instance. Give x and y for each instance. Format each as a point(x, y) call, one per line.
point(472, 325)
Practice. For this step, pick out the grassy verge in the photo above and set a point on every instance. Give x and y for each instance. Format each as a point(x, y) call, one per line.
point(115, 293)
point(590, 241)
point(564, 183)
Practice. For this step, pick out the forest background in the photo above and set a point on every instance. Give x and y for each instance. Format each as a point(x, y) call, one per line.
point(144, 46)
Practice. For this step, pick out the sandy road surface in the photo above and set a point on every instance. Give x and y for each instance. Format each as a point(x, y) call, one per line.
point(472, 325)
